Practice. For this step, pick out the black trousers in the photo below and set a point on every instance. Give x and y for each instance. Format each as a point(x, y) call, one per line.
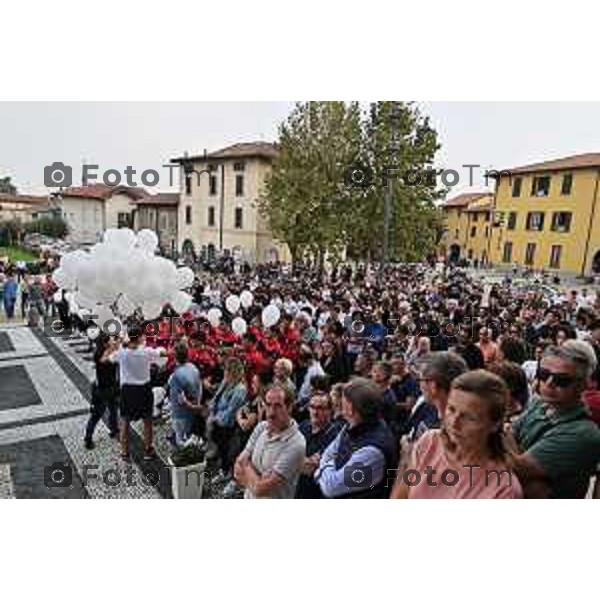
point(103, 399)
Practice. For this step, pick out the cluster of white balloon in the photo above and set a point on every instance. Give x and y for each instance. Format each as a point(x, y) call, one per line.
point(122, 274)
point(119, 276)
point(270, 314)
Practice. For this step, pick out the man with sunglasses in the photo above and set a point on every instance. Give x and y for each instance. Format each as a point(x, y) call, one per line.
point(554, 447)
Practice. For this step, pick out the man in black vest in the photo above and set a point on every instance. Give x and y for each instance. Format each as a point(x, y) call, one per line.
point(357, 462)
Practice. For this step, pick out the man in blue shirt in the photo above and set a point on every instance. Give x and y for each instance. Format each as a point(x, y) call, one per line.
point(357, 463)
point(185, 392)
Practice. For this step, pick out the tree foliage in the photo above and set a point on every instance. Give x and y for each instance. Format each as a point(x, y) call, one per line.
point(7, 187)
point(54, 227)
point(312, 205)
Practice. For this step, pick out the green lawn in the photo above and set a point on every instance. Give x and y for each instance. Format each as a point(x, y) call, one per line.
point(14, 254)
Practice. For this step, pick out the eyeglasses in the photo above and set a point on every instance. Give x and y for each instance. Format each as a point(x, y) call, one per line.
point(559, 380)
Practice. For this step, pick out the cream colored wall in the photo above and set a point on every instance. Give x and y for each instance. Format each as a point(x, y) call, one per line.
point(84, 217)
point(114, 205)
point(254, 238)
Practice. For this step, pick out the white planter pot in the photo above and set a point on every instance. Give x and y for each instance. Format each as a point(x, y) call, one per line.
point(187, 483)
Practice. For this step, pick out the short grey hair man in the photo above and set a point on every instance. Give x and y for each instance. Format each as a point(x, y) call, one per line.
point(578, 352)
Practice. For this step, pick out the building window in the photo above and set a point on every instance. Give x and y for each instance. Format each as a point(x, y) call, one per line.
point(212, 181)
point(212, 168)
point(507, 254)
point(535, 221)
point(567, 184)
point(471, 254)
point(561, 222)
point(516, 189)
point(487, 232)
point(541, 186)
point(456, 234)
point(188, 185)
point(239, 185)
point(487, 217)
point(188, 215)
point(530, 254)
point(512, 220)
point(555, 257)
point(475, 217)
point(122, 220)
point(238, 166)
point(239, 218)
point(473, 231)
point(211, 216)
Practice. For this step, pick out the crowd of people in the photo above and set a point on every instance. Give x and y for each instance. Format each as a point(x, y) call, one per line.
point(410, 382)
point(27, 288)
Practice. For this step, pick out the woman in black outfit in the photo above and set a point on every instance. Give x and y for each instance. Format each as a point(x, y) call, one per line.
point(104, 390)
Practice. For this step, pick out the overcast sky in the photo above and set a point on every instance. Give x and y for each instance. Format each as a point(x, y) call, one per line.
point(146, 135)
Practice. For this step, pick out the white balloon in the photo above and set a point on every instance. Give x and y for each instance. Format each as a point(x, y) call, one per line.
point(125, 306)
point(232, 304)
point(62, 279)
point(246, 298)
point(185, 278)
point(57, 296)
point(214, 316)
point(83, 301)
point(238, 326)
point(181, 302)
point(103, 315)
point(147, 240)
point(270, 315)
point(151, 310)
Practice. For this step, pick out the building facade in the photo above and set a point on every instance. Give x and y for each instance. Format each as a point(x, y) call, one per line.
point(217, 210)
point(160, 213)
point(547, 216)
point(468, 228)
point(23, 208)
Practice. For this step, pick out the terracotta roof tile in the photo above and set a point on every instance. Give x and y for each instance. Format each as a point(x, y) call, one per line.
point(463, 200)
point(162, 199)
point(578, 161)
point(241, 150)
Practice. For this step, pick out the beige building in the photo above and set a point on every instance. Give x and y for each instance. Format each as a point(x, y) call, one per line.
point(90, 210)
point(159, 212)
point(23, 208)
point(217, 208)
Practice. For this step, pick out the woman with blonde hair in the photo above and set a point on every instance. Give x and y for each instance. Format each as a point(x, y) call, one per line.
point(466, 457)
point(228, 399)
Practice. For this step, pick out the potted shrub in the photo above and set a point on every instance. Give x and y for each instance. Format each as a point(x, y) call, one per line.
point(188, 470)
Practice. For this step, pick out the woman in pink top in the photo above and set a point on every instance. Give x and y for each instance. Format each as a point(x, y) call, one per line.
point(465, 458)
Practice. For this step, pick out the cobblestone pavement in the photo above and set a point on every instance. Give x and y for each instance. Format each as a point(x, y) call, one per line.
point(45, 386)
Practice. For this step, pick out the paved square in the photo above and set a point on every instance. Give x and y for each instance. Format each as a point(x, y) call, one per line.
point(16, 388)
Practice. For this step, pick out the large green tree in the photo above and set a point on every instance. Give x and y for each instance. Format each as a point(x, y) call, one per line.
point(305, 203)
point(398, 150)
point(327, 188)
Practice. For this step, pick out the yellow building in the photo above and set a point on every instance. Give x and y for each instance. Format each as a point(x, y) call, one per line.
point(468, 227)
point(547, 216)
point(217, 210)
